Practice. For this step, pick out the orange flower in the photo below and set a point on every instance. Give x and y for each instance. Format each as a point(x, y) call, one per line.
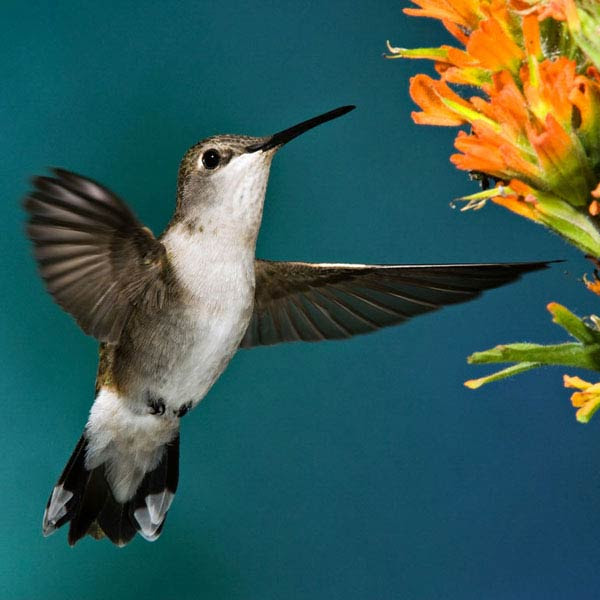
point(531, 37)
point(521, 131)
point(518, 206)
point(585, 97)
point(537, 123)
point(482, 154)
point(487, 151)
point(465, 13)
point(505, 106)
point(593, 285)
point(493, 47)
point(547, 90)
point(587, 400)
point(522, 201)
point(429, 94)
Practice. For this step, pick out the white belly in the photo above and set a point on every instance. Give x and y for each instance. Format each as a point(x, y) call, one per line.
point(211, 341)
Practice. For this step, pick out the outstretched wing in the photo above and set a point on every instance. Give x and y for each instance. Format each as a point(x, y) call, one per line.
point(96, 258)
point(311, 302)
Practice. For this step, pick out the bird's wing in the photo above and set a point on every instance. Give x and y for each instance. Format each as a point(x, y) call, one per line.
point(311, 302)
point(96, 258)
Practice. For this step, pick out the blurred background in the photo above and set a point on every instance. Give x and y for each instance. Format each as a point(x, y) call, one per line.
point(359, 469)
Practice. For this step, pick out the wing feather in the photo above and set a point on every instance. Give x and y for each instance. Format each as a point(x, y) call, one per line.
point(96, 258)
point(311, 302)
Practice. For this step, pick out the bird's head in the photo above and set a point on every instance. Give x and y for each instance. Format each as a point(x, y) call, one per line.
point(224, 177)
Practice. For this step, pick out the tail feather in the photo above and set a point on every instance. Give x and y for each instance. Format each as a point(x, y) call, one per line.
point(155, 495)
point(65, 496)
point(115, 521)
point(148, 509)
point(95, 493)
point(84, 498)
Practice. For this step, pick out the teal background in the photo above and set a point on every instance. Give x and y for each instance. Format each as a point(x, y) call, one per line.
point(353, 470)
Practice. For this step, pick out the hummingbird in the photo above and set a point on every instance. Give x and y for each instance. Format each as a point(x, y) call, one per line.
point(170, 313)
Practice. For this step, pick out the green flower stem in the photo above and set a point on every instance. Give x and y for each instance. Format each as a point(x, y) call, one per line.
point(571, 354)
point(426, 53)
point(583, 354)
point(508, 372)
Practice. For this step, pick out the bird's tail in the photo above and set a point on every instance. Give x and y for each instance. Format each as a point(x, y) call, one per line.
point(83, 497)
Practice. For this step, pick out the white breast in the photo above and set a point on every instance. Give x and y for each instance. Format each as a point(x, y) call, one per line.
point(218, 286)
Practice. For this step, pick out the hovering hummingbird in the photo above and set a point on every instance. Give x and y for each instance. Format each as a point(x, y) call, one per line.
point(170, 313)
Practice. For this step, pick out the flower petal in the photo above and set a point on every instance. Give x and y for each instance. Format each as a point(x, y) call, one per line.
point(548, 91)
point(494, 48)
point(465, 13)
point(429, 93)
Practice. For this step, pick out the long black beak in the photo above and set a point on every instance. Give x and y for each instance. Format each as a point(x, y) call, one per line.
point(278, 139)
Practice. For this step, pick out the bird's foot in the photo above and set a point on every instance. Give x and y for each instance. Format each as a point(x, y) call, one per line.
point(156, 406)
point(183, 409)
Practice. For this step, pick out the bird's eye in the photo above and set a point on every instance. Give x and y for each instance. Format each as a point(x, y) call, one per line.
point(211, 159)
